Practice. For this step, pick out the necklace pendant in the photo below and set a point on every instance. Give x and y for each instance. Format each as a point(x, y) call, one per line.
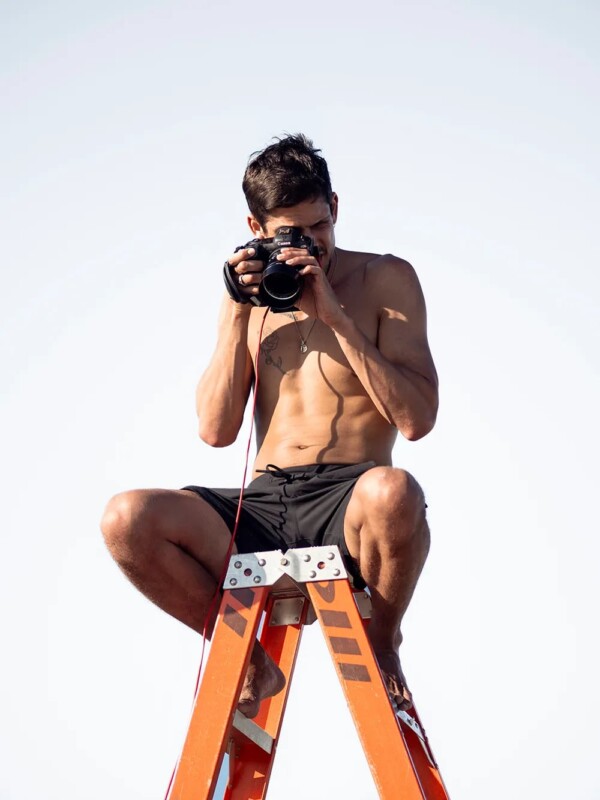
point(303, 347)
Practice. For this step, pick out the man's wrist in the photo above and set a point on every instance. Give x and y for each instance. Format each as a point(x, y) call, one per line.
point(240, 309)
point(234, 312)
point(343, 325)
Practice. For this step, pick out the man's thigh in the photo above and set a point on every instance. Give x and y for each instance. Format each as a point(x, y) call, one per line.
point(139, 522)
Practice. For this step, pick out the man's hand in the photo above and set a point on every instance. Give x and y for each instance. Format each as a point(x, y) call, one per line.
point(318, 298)
point(248, 271)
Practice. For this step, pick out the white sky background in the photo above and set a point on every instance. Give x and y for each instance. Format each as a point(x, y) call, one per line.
point(463, 137)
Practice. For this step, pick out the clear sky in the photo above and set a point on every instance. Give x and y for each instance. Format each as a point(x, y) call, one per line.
point(462, 136)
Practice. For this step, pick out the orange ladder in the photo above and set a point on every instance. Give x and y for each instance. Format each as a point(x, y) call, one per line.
point(294, 589)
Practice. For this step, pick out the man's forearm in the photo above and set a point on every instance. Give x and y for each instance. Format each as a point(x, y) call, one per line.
point(223, 389)
point(405, 398)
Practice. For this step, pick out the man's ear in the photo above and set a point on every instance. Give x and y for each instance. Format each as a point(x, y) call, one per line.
point(256, 228)
point(334, 207)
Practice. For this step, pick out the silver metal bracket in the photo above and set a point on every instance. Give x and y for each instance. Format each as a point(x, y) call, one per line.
point(301, 564)
point(412, 723)
point(287, 610)
point(253, 732)
point(253, 569)
point(363, 603)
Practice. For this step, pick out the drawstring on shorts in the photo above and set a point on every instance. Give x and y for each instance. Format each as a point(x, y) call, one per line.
point(283, 474)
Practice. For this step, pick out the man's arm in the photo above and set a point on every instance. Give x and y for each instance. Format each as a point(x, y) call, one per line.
point(224, 387)
point(398, 372)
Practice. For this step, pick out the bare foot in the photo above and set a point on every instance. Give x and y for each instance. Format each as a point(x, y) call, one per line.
point(263, 679)
point(393, 677)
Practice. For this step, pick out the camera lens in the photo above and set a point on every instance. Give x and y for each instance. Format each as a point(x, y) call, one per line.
point(281, 285)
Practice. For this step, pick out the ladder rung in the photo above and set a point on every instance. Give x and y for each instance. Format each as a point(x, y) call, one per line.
point(253, 732)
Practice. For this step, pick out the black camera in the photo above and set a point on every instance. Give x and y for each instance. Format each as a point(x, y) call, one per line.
point(280, 285)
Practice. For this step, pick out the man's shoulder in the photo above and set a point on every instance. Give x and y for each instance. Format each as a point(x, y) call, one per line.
point(379, 281)
point(385, 271)
point(383, 279)
point(374, 261)
point(389, 265)
point(392, 281)
point(378, 265)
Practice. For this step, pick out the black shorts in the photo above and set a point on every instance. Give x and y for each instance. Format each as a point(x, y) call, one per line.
point(296, 507)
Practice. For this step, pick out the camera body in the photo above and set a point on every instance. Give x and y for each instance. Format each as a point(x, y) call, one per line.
point(280, 285)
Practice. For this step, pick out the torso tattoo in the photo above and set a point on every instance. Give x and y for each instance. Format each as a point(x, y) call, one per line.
point(269, 344)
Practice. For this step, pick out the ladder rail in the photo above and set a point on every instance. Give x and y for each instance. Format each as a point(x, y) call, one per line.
point(405, 763)
point(292, 590)
point(198, 768)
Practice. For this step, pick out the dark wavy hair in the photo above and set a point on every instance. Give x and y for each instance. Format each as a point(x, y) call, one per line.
point(284, 174)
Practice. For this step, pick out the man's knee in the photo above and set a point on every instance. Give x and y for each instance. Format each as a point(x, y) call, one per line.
point(392, 496)
point(125, 523)
point(390, 490)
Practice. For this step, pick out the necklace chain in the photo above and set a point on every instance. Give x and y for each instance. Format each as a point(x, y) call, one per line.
point(303, 341)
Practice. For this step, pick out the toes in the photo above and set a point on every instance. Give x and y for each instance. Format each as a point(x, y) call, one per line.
point(399, 694)
point(406, 704)
point(401, 704)
point(406, 699)
point(249, 709)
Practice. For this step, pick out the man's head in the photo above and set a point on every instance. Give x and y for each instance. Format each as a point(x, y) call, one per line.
point(288, 183)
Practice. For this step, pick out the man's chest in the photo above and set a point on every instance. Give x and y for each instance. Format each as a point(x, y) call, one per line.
point(304, 353)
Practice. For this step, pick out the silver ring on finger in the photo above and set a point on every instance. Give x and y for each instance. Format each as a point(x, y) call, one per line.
point(240, 281)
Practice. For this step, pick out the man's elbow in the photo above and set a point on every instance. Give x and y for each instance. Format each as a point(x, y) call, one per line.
point(414, 433)
point(417, 428)
point(215, 437)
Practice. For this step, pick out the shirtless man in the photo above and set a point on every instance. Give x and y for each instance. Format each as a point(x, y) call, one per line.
point(337, 380)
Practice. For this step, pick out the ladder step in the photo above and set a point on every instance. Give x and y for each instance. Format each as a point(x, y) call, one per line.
point(253, 732)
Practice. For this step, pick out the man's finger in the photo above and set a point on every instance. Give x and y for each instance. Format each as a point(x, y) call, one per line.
point(248, 266)
point(288, 252)
point(241, 255)
point(249, 278)
point(311, 269)
point(299, 261)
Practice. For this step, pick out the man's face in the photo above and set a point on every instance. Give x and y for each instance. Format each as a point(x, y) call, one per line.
point(315, 218)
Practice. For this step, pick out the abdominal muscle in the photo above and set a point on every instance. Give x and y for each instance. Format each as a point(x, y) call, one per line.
point(321, 427)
